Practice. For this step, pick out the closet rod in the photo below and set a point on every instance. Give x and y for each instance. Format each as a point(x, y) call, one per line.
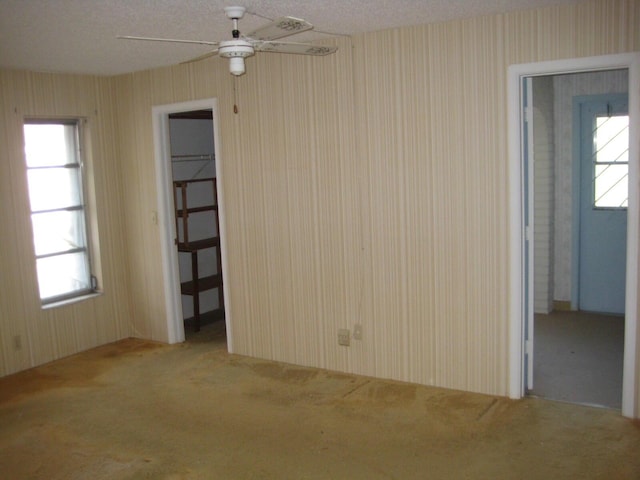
point(191, 158)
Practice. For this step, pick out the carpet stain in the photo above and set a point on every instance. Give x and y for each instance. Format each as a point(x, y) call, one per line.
point(395, 393)
point(76, 371)
point(284, 373)
point(182, 413)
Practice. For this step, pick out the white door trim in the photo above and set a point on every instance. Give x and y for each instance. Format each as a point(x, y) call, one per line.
point(516, 73)
point(166, 219)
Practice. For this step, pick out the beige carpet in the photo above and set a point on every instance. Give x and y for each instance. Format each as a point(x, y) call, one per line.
point(138, 410)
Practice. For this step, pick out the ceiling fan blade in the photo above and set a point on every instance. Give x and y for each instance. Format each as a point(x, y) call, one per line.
point(201, 57)
point(172, 40)
point(281, 27)
point(297, 48)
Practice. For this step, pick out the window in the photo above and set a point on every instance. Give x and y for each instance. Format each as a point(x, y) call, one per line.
point(611, 161)
point(54, 172)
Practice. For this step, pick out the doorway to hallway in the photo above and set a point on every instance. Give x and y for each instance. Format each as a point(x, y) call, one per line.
point(521, 345)
point(579, 202)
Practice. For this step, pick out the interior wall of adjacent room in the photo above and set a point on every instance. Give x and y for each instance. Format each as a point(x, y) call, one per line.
point(543, 193)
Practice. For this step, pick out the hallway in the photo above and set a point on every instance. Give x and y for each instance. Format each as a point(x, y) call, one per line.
point(578, 358)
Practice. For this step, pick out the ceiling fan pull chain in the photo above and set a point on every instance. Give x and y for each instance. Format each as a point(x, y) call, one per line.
point(235, 95)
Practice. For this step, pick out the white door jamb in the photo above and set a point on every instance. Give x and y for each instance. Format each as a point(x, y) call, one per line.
point(516, 73)
point(165, 214)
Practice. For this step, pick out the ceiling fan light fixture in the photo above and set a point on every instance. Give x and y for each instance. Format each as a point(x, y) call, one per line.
point(236, 51)
point(236, 66)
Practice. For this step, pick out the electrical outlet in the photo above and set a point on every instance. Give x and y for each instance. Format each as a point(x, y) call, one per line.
point(17, 342)
point(344, 337)
point(357, 332)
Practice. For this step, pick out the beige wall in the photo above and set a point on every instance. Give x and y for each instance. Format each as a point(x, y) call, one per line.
point(57, 332)
point(137, 94)
point(365, 187)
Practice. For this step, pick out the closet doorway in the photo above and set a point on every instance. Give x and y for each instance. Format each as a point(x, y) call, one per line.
point(191, 219)
point(195, 198)
point(580, 198)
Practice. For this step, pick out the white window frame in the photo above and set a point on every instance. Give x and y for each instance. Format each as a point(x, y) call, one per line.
point(78, 163)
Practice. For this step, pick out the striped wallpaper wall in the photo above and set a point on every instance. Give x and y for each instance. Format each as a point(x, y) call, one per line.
point(366, 187)
point(29, 335)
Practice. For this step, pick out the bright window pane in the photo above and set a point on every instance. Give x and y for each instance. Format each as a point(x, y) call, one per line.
point(57, 211)
point(59, 275)
point(57, 232)
point(51, 188)
point(48, 145)
point(611, 167)
point(612, 139)
point(611, 186)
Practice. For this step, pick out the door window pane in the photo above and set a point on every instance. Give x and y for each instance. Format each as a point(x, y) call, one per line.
point(611, 161)
point(611, 186)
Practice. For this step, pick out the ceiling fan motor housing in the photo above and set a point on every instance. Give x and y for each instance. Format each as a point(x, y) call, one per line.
point(235, 48)
point(236, 51)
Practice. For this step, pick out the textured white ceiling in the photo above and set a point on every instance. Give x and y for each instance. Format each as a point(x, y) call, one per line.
point(79, 36)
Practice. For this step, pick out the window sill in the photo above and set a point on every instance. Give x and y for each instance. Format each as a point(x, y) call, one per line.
point(69, 301)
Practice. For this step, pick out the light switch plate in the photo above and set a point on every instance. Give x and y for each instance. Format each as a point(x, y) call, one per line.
point(344, 337)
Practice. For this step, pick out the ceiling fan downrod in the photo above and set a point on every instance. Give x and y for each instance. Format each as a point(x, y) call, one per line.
point(235, 14)
point(235, 50)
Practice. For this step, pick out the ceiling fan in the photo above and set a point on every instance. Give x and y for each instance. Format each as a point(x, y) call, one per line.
point(260, 40)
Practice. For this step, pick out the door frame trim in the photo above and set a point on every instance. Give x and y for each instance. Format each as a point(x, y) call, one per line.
point(515, 74)
point(165, 214)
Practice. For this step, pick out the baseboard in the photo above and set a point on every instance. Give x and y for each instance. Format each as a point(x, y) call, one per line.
point(562, 305)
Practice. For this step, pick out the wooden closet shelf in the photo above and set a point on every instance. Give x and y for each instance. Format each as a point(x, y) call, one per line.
point(207, 208)
point(184, 183)
point(195, 245)
point(183, 218)
point(204, 283)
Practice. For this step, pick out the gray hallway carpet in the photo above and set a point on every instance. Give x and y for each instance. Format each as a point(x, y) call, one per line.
point(578, 358)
